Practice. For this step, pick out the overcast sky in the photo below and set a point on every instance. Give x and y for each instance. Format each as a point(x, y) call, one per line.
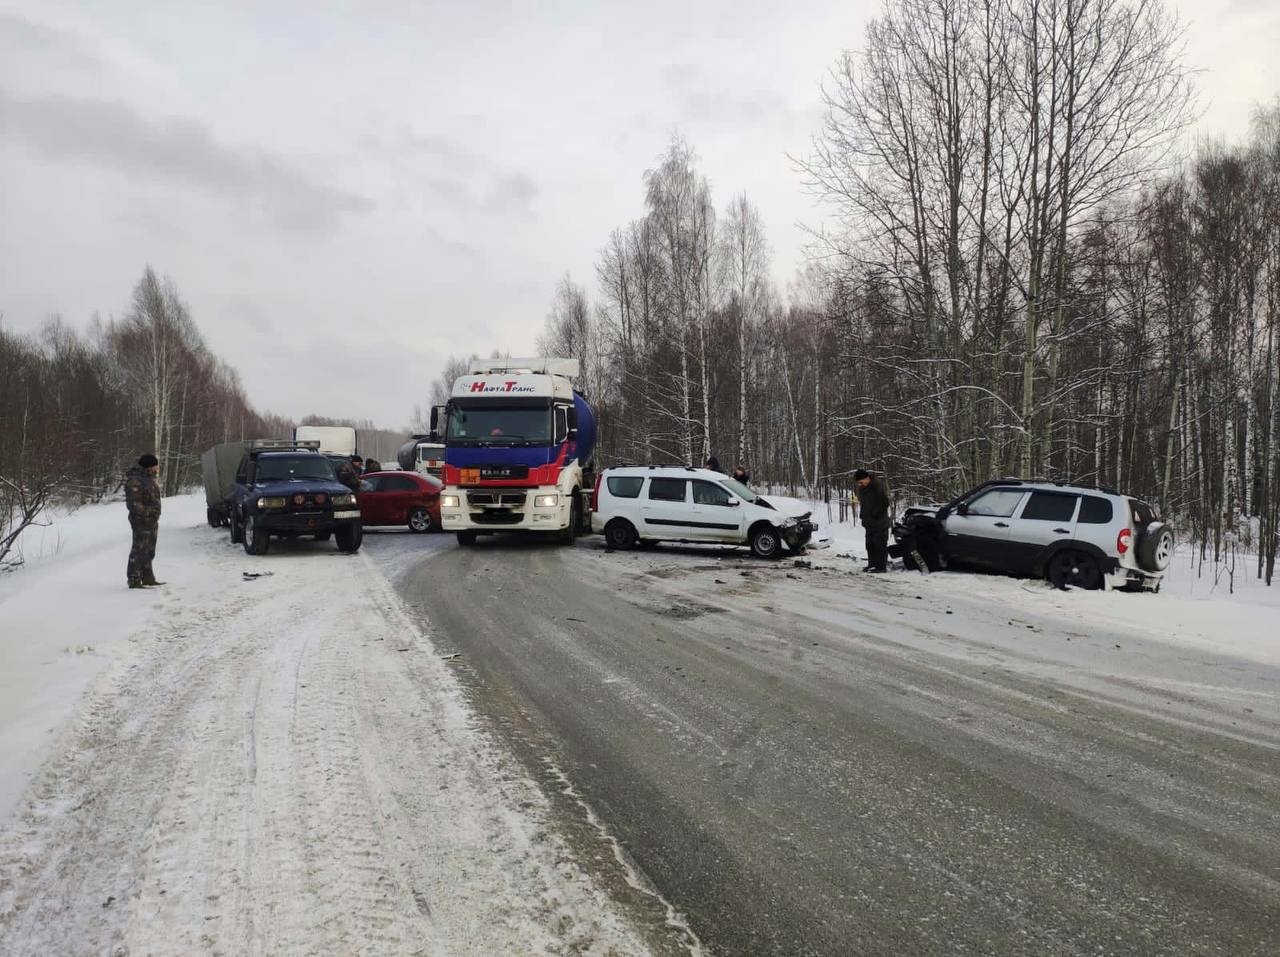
point(346, 194)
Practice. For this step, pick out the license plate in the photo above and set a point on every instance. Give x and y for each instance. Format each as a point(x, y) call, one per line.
point(353, 514)
point(470, 476)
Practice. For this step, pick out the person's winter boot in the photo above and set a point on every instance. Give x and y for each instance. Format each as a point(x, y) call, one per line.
point(136, 585)
point(150, 582)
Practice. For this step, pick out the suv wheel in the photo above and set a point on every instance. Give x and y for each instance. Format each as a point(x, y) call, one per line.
point(1069, 568)
point(256, 538)
point(349, 537)
point(1155, 547)
point(620, 534)
point(419, 520)
point(765, 541)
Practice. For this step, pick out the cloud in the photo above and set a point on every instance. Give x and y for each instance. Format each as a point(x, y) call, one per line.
point(20, 36)
point(110, 134)
point(512, 192)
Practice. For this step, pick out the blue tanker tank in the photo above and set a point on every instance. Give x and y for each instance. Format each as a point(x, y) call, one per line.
point(586, 444)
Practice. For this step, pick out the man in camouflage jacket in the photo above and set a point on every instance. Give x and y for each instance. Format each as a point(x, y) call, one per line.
point(142, 496)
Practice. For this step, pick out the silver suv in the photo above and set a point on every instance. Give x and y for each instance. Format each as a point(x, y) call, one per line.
point(1073, 535)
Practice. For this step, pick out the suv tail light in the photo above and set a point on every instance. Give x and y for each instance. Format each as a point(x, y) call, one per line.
point(1124, 540)
point(595, 493)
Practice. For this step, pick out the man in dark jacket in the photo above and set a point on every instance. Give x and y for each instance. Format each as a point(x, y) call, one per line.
point(873, 506)
point(142, 497)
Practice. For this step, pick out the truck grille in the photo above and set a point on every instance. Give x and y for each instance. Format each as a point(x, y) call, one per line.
point(496, 518)
point(496, 498)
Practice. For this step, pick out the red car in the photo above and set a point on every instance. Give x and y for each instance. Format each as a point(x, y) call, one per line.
point(400, 498)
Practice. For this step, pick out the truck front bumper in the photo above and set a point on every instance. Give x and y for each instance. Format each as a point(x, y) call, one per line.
point(308, 522)
point(504, 510)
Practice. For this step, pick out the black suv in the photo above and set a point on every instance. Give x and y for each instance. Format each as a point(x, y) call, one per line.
point(288, 493)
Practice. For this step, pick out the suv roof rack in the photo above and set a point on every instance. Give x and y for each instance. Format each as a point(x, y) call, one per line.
point(1060, 483)
point(283, 445)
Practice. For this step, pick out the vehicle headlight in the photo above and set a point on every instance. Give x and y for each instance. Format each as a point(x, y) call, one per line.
point(450, 501)
point(546, 501)
point(344, 500)
point(272, 502)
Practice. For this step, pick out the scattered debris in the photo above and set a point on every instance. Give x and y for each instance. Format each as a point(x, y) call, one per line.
point(580, 620)
point(721, 581)
point(802, 563)
point(108, 902)
point(452, 655)
point(250, 576)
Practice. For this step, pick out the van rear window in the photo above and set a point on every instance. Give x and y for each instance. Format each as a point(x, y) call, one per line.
point(625, 486)
point(1095, 511)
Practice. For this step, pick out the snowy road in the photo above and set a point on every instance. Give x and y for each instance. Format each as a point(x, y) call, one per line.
point(806, 761)
point(286, 766)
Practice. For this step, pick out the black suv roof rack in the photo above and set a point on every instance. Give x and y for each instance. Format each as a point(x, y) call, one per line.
point(283, 445)
point(1060, 483)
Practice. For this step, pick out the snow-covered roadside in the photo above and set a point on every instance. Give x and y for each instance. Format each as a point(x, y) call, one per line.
point(276, 765)
point(65, 614)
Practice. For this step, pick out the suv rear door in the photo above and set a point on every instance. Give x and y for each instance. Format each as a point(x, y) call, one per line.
point(981, 536)
point(1046, 517)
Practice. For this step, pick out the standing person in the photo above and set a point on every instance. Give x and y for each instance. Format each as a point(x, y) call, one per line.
point(349, 474)
point(873, 506)
point(713, 463)
point(142, 497)
point(357, 465)
point(741, 474)
point(372, 465)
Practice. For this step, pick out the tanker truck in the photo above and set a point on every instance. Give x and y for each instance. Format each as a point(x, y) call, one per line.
point(420, 454)
point(518, 443)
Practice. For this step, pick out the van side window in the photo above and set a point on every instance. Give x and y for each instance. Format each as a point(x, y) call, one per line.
point(667, 489)
point(1049, 507)
point(625, 486)
point(1095, 511)
point(709, 493)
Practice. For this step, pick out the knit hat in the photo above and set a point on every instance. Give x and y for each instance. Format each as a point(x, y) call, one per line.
point(148, 460)
point(859, 475)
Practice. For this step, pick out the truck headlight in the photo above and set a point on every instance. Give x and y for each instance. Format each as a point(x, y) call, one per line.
point(273, 502)
point(344, 500)
point(546, 501)
point(450, 501)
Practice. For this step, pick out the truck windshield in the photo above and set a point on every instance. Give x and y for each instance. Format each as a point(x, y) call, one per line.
point(285, 469)
point(492, 424)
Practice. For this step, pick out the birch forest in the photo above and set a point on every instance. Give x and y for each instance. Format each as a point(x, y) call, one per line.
point(1025, 271)
point(76, 409)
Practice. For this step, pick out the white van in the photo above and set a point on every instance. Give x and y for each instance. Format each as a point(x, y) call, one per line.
point(671, 503)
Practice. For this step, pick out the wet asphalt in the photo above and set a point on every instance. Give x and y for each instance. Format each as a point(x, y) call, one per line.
point(802, 761)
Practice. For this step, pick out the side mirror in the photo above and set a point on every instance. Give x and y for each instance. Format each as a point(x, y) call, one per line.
point(733, 503)
point(962, 508)
point(437, 413)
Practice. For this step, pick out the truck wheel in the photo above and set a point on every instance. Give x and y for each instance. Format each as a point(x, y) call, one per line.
point(237, 530)
point(765, 541)
point(570, 534)
point(620, 534)
point(256, 538)
point(349, 537)
point(467, 538)
point(419, 520)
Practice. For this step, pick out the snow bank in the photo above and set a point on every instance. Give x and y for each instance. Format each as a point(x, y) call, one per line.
point(64, 615)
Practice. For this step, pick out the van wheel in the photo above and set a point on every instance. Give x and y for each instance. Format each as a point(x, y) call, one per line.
point(466, 539)
point(1072, 569)
point(620, 534)
point(765, 541)
point(256, 538)
point(349, 537)
point(419, 520)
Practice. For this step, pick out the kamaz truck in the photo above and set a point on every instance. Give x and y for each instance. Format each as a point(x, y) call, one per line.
point(518, 444)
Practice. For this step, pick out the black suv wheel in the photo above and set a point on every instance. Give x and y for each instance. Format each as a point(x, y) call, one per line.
point(349, 537)
point(256, 538)
point(1074, 569)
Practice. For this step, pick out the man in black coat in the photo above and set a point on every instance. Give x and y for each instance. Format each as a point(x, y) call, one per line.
point(874, 507)
point(142, 497)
